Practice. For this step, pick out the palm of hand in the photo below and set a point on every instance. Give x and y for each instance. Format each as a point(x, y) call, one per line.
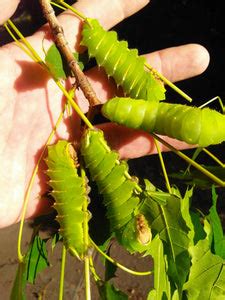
point(31, 103)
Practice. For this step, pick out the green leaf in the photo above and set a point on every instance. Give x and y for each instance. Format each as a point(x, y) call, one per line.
point(55, 239)
point(192, 219)
point(185, 211)
point(176, 295)
point(161, 281)
point(34, 262)
point(199, 233)
point(166, 219)
point(19, 285)
point(149, 187)
point(168, 222)
point(218, 236)
point(82, 59)
point(178, 271)
point(207, 273)
point(57, 65)
point(108, 292)
point(36, 258)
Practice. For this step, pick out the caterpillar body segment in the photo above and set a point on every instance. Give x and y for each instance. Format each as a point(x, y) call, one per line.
point(70, 192)
point(123, 64)
point(133, 113)
point(119, 189)
point(109, 186)
point(189, 124)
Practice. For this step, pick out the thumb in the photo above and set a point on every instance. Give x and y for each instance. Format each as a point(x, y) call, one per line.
point(8, 8)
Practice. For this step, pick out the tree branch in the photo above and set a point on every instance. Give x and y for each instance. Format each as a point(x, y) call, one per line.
point(62, 44)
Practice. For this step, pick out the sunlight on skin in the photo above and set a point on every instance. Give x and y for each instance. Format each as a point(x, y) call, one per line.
point(8, 8)
point(30, 102)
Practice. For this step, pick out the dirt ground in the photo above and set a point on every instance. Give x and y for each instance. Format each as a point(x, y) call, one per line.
point(162, 24)
point(48, 281)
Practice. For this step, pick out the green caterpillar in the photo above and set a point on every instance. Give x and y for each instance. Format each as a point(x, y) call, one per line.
point(123, 64)
point(119, 191)
point(70, 192)
point(189, 124)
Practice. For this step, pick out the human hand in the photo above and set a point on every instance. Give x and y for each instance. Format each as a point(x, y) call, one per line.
point(30, 104)
point(7, 8)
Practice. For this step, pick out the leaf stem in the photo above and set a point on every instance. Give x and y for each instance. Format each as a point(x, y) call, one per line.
point(212, 100)
point(93, 271)
point(74, 105)
point(163, 166)
point(191, 162)
point(87, 278)
point(62, 273)
point(216, 159)
point(30, 185)
point(57, 5)
point(34, 55)
point(76, 12)
point(169, 83)
point(118, 264)
point(19, 44)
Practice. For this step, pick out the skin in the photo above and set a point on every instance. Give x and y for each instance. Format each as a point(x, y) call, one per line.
point(30, 103)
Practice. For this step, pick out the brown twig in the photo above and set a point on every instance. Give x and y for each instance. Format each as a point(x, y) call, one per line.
point(62, 44)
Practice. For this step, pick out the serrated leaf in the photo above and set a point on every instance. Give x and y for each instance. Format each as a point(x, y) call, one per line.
point(217, 230)
point(161, 281)
point(167, 220)
point(107, 291)
point(178, 270)
point(149, 187)
point(199, 233)
point(192, 219)
point(207, 274)
point(185, 211)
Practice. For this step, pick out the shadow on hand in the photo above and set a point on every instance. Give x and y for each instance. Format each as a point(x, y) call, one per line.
point(32, 77)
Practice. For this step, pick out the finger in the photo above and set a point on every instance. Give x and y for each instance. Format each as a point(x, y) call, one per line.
point(108, 14)
point(179, 63)
point(46, 91)
point(175, 63)
point(132, 143)
point(7, 9)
